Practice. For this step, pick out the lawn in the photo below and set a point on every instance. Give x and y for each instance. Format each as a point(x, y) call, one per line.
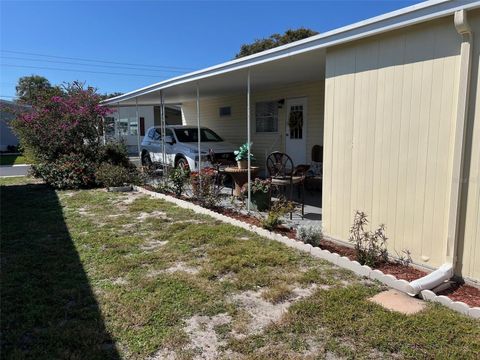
point(13, 160)
point(92, 275)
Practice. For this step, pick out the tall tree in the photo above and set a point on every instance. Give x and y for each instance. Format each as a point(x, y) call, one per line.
point(275, 40)
point(31, 89)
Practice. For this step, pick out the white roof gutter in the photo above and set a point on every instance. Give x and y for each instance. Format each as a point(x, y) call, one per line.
point(411, 15)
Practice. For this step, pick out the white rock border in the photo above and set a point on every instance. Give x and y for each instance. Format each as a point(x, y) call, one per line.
point(336, 259)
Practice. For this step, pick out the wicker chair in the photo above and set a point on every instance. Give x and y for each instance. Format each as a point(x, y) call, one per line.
point(283, 175)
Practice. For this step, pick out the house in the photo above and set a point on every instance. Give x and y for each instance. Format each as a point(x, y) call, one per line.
point(395, 104)
point(122, 123)
point(7, 138)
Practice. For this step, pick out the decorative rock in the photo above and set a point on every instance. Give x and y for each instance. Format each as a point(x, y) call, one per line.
point(443, 300)
point(377, 275)
point(474, 312)
point(428, 295)
point(459, 306)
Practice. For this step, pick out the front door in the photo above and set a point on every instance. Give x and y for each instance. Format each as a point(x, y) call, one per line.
point(296, 130)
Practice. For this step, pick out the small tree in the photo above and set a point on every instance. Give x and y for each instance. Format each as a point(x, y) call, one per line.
point(60, 128)
point(274, 40)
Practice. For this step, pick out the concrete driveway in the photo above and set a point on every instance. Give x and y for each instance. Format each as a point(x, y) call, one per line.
point(14, 170)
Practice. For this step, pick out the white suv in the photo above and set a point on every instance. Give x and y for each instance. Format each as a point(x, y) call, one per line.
point(181, 147)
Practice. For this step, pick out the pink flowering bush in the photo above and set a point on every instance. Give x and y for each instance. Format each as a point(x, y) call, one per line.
point(63, 135)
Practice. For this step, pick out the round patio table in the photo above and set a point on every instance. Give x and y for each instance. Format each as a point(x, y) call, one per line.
point(240, 177)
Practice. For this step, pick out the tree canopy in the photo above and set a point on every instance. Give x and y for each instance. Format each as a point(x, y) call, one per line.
point(32, 89)
point(275, 40)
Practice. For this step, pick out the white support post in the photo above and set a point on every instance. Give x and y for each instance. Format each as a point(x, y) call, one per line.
point(249, 169)
point(138, 126)
point(199, 140)
point(162, 130)
point(117, 130)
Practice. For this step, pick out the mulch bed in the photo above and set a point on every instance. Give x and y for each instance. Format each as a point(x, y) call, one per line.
point(457, 292)
point(465, 293)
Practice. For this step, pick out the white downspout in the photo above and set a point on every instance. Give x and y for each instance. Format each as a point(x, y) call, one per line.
point(447, 270)
point(463, 28)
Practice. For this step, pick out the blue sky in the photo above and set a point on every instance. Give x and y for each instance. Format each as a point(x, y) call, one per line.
point(170, 37)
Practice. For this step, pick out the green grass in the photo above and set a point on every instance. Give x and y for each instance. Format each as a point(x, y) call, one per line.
point(13, 160)
point(88, 274)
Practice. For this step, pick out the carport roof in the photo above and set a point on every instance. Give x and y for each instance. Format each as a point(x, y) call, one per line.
point(298, 61)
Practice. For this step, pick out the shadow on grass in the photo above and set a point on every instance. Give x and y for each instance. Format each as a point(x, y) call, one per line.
point(48, 309)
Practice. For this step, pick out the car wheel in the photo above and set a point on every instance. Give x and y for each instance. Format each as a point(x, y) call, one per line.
point(146, 161)
point(182, 163)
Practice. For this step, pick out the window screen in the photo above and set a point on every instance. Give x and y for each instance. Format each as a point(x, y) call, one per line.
point(266, 116)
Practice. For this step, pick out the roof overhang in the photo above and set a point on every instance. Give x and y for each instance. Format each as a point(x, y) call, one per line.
point(284, 55)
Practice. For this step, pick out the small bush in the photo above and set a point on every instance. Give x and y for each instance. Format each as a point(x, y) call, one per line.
point(206, 187)
point(273, 219)
point(370, 246)
point(310, 234)
point(114, 153)
point(178, 179)
point(70, 171)
point(114, 175)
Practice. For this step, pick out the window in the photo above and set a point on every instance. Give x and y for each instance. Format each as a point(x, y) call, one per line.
point(266, 116)
point(151, 133)
point(191, 135)
point(122, 126)
point(225, 111)
point(109, 123)
point(133, 127)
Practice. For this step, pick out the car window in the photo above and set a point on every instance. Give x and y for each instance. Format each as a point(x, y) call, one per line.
point(191, 135)
point(150, 133)
point(158, 134)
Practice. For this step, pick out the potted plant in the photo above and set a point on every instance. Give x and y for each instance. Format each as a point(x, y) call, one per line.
point(241, 155)
point(260, 194)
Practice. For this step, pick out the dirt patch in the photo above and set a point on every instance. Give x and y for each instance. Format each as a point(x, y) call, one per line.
point(153, 245)
point(120, 281)
point(262, 312)
point(178, 267)
point(145, 215)
point(204, 339)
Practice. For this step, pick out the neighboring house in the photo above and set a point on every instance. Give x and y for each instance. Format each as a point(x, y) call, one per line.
point(122, 122)
point(7, 137)
point(395, 103)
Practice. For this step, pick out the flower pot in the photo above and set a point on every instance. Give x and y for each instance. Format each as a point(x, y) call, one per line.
point(260, 200)
point(242, 164)
point(120, 188)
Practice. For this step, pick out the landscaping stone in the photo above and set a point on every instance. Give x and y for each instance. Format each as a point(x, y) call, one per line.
point(397, 301)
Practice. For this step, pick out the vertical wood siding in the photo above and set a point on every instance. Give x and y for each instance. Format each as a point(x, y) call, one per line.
point(390, 108)
point(234, 128)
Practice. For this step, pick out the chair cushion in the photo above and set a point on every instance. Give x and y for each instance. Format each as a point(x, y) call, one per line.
point(287, 180)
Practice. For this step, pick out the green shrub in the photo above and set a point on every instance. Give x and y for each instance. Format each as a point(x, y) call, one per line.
point(310, 234)
point(110, 175)
point(178, 179)
point(115, 153)
point(70, 171)
point(273, 219)
point(370, 246)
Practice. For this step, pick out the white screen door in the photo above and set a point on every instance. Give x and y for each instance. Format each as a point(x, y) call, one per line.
point(296, 130)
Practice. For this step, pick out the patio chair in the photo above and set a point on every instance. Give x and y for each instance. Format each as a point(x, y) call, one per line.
point(283, 175)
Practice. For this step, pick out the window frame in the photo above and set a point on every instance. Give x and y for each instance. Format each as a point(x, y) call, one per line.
point(275, 116)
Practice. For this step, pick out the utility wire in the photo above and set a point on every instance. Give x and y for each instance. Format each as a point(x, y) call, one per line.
point(94, 65)
point(93, 60)
point(78, 70)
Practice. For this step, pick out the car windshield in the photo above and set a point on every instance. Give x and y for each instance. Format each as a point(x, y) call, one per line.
point(191, 135)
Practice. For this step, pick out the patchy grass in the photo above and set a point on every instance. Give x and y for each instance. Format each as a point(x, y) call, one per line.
point(92, 274)
point(13, 160)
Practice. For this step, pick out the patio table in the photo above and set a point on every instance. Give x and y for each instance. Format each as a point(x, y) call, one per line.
point(240, 177)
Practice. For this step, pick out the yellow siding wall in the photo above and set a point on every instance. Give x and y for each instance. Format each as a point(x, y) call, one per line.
point(389, 117)
point(234, 128)
point(469, 249)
